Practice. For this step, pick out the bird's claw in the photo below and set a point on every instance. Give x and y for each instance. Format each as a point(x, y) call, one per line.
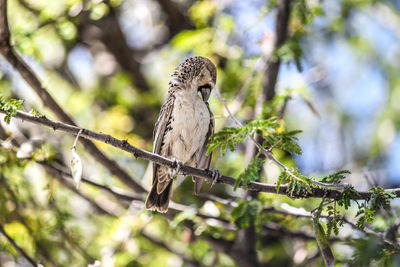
point(216, 175)
point(178, 165)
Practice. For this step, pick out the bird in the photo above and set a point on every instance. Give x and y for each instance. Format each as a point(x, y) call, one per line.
point(183, 127)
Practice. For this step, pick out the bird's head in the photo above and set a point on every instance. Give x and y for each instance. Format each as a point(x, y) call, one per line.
point(197, 73)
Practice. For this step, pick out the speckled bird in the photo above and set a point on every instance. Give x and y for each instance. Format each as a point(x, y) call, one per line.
point(184, 125)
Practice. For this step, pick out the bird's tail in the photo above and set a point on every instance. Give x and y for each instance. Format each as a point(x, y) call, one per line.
point(159, 202)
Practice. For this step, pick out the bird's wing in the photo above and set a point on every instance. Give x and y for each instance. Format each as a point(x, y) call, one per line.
point(204, 160)
point(162, 126)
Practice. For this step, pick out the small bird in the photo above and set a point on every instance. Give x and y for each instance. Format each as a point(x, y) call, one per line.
point(183, 127)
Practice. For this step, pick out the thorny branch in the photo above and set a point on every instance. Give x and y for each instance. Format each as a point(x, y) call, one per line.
point(185, 170)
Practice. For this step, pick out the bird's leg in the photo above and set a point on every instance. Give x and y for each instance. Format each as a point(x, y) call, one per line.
point(216, 175)
point(178, 165)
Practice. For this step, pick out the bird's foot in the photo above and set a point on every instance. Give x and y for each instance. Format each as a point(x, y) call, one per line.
point(216, 175)
point(178, 165)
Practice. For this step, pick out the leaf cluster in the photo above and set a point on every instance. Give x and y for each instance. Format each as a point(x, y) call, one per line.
point(230, 137)
point(335, 178)
point(295, 181)
point(365, 214)
point(346, 196)
point(380, 199)
point(246, 213)
point(334, 219)
point(269, 129)
point(10, 107)
point(286, 141)
point(251, 173)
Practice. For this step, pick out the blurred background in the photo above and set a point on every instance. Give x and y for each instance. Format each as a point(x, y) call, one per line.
point(108, 64)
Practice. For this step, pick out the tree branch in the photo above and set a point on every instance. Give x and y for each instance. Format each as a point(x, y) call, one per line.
point(185, 170)
point(108, 31)
point(30, 77)
point(176, 21)
point(273, 64)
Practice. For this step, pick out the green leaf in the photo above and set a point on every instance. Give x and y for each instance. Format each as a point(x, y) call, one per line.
point(282, 179)
point(295, 181)
point(246, 213)
point(35, 112)
point(249, 174)
point(10, 107)
point(230, 137)
point(380, 198)
point(346, 196)
point(286, 141)
point(335, 178)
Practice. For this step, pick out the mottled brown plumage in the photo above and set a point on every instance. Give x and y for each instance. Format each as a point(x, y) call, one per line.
point(183, 127)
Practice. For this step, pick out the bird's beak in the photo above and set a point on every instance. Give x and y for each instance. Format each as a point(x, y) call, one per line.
point(205, 92)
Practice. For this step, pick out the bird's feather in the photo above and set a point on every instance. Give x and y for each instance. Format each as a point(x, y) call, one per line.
point(204, 159)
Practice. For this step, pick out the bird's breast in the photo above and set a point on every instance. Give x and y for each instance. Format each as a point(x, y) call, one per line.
point(189, 128)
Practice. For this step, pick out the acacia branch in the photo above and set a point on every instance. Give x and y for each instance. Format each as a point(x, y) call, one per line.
point(31, 78)
point(184, 170)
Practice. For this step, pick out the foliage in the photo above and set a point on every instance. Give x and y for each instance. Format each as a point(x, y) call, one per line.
point(10, 107)
point(380, 199)
point(230, 137)
point(246, 213)
point(296, 182)
point(335, 178)
point(373, 250)
point(249, 174)
point(286, 141)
